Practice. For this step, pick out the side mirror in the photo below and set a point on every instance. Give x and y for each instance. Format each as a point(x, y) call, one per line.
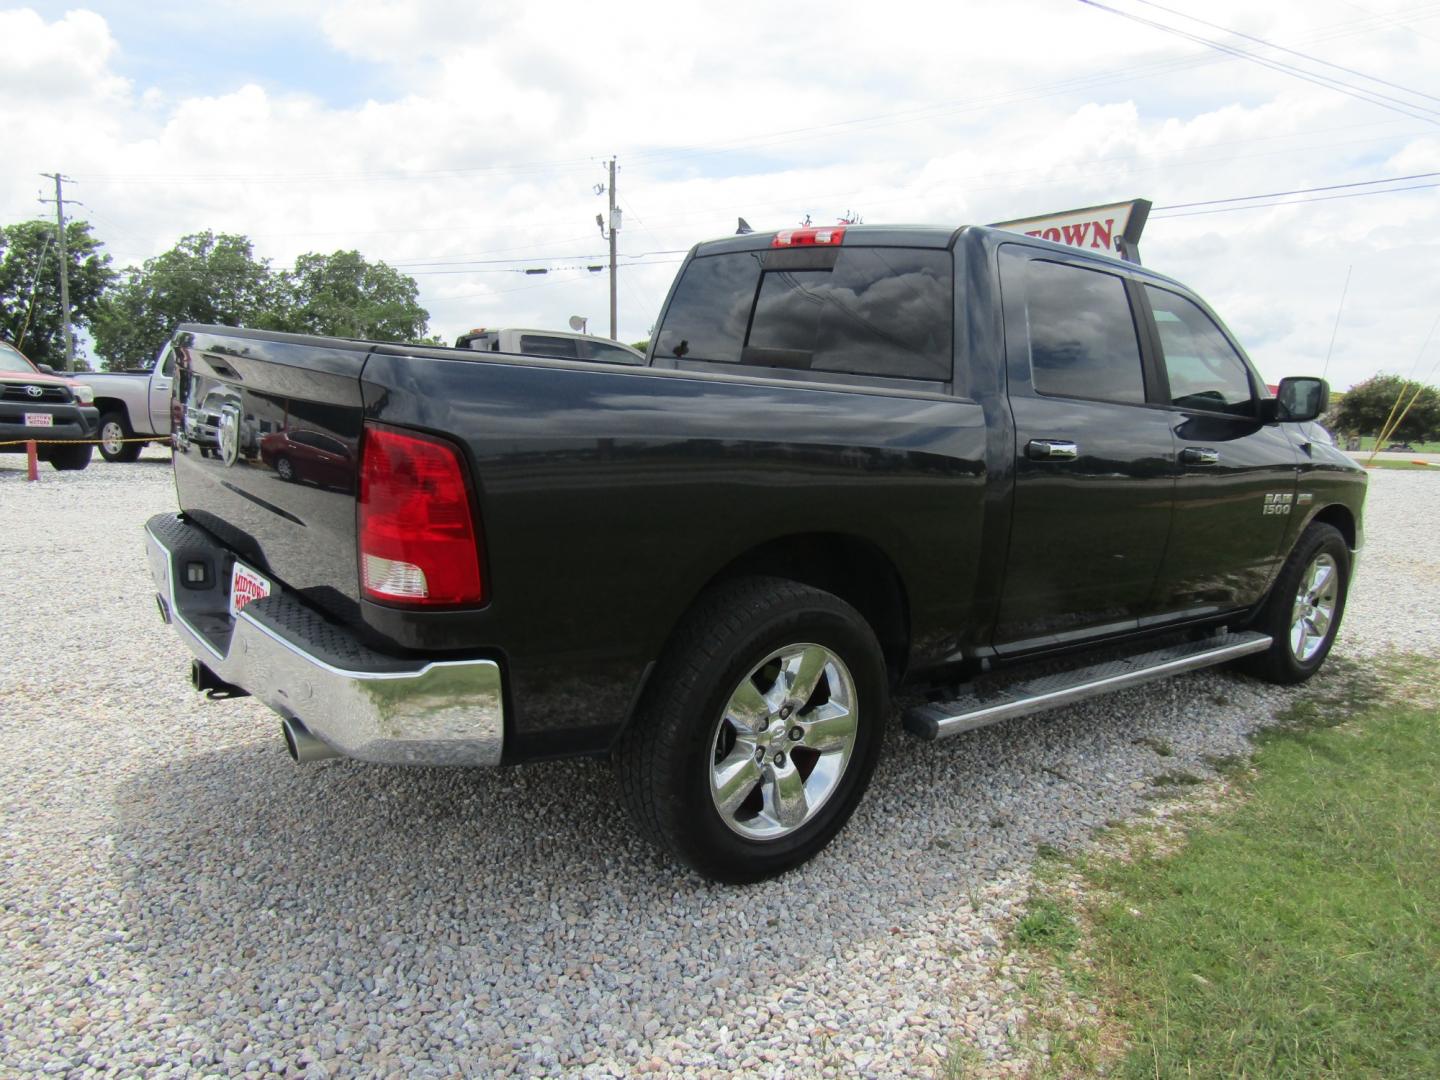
point(45, 369)
point(1301, 398)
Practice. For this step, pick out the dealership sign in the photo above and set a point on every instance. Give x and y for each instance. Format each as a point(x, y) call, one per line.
point(1113, 229)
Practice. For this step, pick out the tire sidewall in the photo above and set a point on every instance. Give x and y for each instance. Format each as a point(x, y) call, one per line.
point(715, 847)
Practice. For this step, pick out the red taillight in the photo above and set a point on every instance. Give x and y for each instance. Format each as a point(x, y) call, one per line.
point(417, 533)
point(809, 237)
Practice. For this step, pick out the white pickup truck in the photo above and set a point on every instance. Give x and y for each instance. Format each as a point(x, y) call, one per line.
point(134, 405)
point(550, 343)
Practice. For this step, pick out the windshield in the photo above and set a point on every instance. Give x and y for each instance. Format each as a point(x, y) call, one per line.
point(13, 361)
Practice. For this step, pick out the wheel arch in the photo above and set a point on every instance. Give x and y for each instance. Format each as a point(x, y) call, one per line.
point(116, 405)
point(852, 568)
point(1339, 517)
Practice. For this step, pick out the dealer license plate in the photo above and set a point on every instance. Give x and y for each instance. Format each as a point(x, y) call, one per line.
point(39, 419)
point(245, 585)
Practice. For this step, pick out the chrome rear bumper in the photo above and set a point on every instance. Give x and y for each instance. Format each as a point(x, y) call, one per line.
point(362, 703)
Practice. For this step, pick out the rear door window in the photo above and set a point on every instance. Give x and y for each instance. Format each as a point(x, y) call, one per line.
point(1081, 332)
point(883, 312)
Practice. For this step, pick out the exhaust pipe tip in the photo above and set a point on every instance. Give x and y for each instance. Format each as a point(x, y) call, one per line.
point(302, 745)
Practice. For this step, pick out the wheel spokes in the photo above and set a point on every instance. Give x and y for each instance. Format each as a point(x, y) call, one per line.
point(827, 728)
point(736, 777)
point(756, 784)
point(747, 706)
point(802, 672)
point(785, 798)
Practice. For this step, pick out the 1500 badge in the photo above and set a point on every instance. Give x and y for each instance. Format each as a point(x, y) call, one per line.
point(1277, 502)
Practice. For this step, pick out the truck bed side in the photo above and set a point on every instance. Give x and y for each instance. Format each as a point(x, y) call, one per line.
point(608, 499)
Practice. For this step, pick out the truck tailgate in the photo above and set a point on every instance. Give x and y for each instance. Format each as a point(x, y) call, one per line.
point(267, 453)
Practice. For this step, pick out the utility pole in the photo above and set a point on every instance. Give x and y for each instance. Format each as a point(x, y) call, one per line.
point(59, 202)
point(614, 227)
point(609, 234)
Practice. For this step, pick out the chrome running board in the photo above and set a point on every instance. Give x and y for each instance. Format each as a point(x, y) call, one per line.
point(978, 707)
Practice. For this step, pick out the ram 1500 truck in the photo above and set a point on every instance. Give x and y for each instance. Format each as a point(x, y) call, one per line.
point(134, 406)
point(998, 472)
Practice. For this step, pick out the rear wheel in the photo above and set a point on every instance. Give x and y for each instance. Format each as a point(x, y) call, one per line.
point(1304, 608)
point(760, 731)
point(113, 433)
point(70, 458)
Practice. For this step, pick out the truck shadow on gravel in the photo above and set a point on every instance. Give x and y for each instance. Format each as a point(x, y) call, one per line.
point(316, 898)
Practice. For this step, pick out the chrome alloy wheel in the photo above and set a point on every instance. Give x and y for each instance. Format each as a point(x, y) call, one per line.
point(112, 437)
point(1314, 610)
point(783, 742)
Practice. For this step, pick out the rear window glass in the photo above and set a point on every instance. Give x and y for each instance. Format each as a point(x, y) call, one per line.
point(541, 345)
point(876, 311)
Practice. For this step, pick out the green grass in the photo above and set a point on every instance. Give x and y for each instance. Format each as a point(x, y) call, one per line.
point(1367, 443)
point(1046, 925)
point(1297, 934)
point(1380, 463)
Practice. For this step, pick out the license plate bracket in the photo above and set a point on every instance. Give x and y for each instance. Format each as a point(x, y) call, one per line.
point(39, 419)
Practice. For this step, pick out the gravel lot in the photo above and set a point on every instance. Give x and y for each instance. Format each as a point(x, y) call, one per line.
point(177, 897)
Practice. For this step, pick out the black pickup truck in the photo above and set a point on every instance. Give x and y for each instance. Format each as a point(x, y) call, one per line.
point(998, 472)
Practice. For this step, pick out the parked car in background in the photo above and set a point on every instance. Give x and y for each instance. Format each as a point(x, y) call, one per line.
point(550, 343)
point(53, 410)
point(134, 406)
point(312, 456)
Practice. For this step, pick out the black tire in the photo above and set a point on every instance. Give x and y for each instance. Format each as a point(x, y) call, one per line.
point(113, 428)
point(1282, 614)
point(284, 469)
point(70, 458)
point(673, 748)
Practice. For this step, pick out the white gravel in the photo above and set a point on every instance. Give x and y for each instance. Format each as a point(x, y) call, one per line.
point(177, 897)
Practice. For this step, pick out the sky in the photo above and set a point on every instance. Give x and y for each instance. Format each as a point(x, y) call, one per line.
point(463, 143)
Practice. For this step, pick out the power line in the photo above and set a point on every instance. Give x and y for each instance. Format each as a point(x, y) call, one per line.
point(1284, 49)
point(1372, 97)
point(1301, 191)
point(1296, 202)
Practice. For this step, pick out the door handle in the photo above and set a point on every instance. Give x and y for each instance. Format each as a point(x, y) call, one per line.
point(1200, 455)
point(1051, 450)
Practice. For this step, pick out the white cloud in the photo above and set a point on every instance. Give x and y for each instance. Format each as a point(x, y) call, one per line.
point(907, 113)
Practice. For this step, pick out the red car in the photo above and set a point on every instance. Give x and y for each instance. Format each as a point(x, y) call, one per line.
point(54, 411)
point(323, 460)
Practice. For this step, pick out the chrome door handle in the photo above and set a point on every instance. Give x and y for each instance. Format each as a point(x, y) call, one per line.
point(1051, 450)
point(1200, 455)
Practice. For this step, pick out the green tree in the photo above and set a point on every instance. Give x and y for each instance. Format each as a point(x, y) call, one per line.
point(30, 313)
point(344, 295)
point(205, 278)
point(1364, 409)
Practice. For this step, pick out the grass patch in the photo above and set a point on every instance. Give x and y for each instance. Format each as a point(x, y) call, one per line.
point(1367, 443)
point(1381, 463)
point(1046, 925)
point(1297, 933)
point(1176, 778)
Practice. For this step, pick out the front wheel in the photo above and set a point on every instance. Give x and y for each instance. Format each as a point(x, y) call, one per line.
point(70, 458)
point(760, 731)
point(1304, 608)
